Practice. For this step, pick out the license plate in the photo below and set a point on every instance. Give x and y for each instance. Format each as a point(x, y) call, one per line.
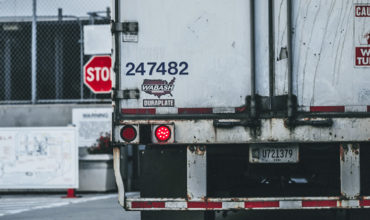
point(274, 154)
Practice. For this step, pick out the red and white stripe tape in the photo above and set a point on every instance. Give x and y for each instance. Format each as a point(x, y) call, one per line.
point(227, 205)
point(183, 111)
point(338, 108)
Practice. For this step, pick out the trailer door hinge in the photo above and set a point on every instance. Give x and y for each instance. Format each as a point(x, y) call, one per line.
point(126, 94)
point(129, 30)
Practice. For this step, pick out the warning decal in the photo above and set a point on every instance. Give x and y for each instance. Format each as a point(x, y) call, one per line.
point(362, 35)
point(362, 56)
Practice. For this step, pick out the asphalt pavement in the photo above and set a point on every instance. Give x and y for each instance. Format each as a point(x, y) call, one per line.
point(54, 207)
point(106, 207)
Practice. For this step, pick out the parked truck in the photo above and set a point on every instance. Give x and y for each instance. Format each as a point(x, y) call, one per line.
point(241, 105)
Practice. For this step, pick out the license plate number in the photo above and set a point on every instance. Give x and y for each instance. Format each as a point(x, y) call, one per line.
point(274, 154)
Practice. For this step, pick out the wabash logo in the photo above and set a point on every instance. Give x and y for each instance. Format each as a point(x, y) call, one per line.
point(158, 87)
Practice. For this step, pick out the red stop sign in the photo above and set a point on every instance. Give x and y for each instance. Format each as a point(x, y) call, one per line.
point(98, 74)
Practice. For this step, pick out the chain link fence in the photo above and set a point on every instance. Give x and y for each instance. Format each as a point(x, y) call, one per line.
point(57, 53)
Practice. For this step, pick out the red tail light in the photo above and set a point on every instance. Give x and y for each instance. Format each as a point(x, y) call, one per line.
point(128, 133)
point(163, 133)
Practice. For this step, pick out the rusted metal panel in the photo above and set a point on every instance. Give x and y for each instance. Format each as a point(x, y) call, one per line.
point(196, 172)
point(271, 131)
point(350, 170)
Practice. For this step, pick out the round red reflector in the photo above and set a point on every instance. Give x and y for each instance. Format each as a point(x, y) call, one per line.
point(162, 133)
point(128, 133)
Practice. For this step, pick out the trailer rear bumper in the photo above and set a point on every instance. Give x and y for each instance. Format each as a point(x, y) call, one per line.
point(283, 203)
point(198, 199)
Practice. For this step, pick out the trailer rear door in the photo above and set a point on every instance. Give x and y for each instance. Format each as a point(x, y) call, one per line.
point(187, 54)
point(331, 54)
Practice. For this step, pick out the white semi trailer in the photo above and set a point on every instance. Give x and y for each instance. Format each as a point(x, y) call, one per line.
point(241, 105)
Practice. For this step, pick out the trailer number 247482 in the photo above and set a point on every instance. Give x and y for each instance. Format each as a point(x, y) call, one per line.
point(151, 68)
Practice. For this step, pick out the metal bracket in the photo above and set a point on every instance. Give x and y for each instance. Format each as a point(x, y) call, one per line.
point(308, 121)
point(271, 104)
point(252, 123)
point(126, 94)
point(350, 170)
point(118, 177)
point(125, 27)
point(196, 172)
point(129, 30)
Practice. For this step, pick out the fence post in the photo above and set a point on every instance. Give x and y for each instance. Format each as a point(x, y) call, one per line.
point(8, 69)
point(81, 59)
point(34, 52)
